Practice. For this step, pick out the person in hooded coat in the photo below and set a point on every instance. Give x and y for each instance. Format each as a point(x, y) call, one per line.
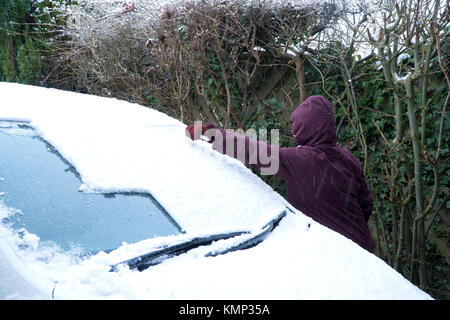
point(323, 180)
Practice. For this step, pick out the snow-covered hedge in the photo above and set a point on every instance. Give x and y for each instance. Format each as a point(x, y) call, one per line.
point(192, 59)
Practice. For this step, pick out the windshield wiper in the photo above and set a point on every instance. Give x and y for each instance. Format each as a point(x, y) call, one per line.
point(253, 241)
point(144, 261)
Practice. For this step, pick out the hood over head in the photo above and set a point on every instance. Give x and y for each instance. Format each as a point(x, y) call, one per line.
point(312, 122)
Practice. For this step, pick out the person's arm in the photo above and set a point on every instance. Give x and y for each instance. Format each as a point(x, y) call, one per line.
point(253, 153)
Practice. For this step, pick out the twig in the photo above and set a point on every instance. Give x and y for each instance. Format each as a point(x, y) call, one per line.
point(381, 133)
point(438, 48)
point(441, 126)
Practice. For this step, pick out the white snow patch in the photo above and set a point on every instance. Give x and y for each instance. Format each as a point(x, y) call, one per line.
point(402, 57)
point(397, 78)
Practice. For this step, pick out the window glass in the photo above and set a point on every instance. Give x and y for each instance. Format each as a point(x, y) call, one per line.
point(43, 189)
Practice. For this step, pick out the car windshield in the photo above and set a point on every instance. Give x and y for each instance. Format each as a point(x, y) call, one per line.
point(42, 189)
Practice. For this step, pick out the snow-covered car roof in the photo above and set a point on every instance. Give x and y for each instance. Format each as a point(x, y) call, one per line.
point(118, 146)
point(115, 145)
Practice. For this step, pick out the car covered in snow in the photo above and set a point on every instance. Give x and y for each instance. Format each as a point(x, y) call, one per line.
point(105, 199)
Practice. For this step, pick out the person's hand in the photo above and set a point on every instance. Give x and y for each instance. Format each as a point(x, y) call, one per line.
point(194, 131)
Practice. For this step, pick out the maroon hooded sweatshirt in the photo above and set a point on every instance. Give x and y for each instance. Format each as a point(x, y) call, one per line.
point(323, 180)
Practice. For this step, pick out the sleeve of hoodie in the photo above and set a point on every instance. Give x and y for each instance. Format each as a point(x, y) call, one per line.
point(253, 153)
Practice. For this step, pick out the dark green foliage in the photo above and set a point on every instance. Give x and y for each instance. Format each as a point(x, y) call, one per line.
point(8, 65)
point(28, 62)
point(25, 31)
point(12, 15)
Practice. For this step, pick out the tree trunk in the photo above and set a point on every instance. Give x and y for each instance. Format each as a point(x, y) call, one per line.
point(417, 153)
point(300, 71)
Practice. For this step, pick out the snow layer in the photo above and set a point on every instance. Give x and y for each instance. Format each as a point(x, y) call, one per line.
point(115, 146)
point(403, 56)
